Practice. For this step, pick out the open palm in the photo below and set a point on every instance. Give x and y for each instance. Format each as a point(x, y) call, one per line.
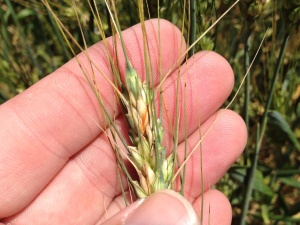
point(56, 164)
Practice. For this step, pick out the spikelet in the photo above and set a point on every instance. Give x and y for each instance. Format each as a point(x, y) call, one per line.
point(146, 133)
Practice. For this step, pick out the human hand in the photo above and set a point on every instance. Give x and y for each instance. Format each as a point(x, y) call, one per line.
point(56, 165)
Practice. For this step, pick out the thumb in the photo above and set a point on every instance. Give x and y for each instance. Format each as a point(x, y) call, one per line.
point(164, 207)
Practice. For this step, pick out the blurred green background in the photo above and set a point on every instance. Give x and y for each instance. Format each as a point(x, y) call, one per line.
point(264, 185)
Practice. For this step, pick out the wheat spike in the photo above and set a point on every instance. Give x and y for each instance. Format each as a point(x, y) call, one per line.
point(146, 133)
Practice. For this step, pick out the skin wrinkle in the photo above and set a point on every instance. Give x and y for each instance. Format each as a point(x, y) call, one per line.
point(82, 83)
point(109, 201)
point(9, 187)
point(78, 114)
point(64, 148)
point(70, 105)
point(104, 193)
point(103, 59)
point(117, 205)
point(37, 136)
point(118, 201)
point(87, 89)
point(103, 198)
point(120, 118)
point(88, 172)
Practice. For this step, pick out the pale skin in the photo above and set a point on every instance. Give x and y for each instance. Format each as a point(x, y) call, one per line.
point(57, 167)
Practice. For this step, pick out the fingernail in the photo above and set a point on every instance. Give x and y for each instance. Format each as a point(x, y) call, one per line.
point(164, 207)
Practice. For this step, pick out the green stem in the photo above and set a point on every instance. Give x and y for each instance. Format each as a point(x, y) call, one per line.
point(192, 26)
point(185, 144)
point(273, 83)
point(247, 85)
point(250, 180)
point(261, 131)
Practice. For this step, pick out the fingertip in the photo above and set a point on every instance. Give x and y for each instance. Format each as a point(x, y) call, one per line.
point(163, 207)
point(217, 208)
point(215, 65)
point(233, 124)
point(224, 140)
point(232, 138)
